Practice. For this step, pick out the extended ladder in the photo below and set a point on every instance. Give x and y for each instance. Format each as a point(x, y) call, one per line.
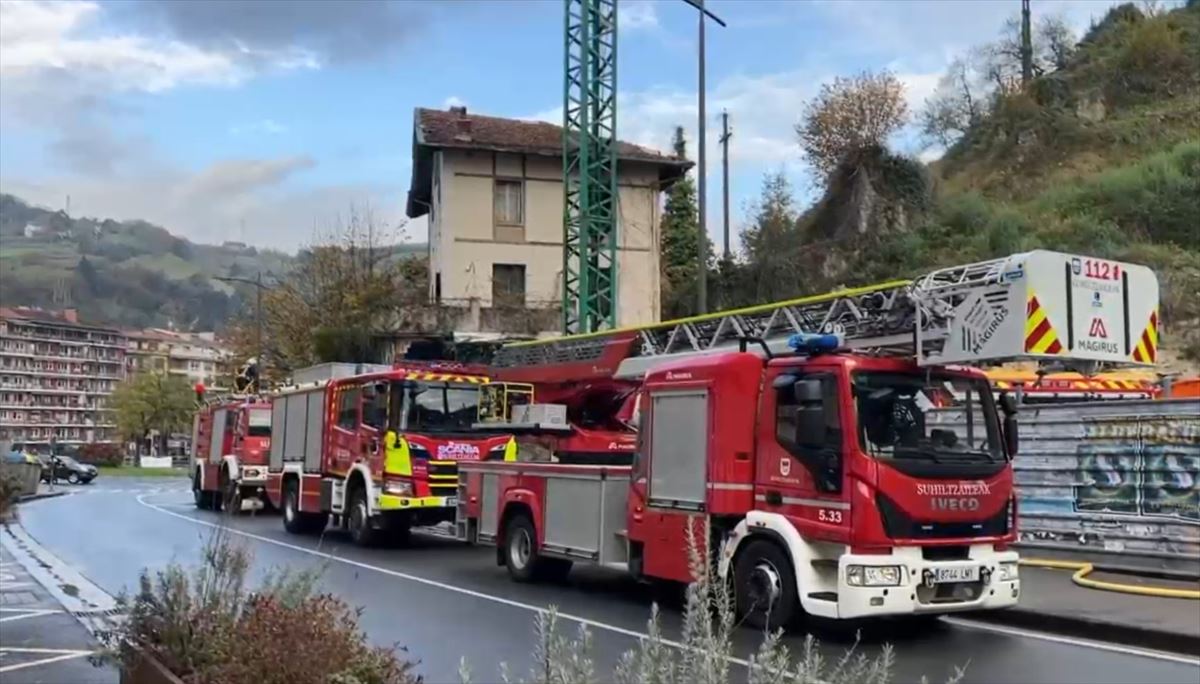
point(1039, 304)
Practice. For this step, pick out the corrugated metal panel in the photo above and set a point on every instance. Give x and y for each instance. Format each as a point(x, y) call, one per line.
point(1115, 481)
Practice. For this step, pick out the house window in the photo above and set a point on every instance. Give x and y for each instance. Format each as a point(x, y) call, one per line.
point(509, 203)
point(508, 285)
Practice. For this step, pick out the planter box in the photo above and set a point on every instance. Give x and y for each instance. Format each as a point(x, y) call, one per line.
point(145, 669)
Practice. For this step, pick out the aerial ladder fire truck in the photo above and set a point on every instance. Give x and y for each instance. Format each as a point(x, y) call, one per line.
point(842, 451)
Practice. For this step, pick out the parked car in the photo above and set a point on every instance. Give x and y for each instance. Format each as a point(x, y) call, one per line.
point(67, 468)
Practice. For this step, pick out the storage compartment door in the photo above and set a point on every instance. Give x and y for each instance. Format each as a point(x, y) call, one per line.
point(278, 434)
point(217, 443)
point(678, 456)
point(314, 430)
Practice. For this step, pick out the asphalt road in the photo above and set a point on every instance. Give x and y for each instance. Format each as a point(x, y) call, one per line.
point(444, 601)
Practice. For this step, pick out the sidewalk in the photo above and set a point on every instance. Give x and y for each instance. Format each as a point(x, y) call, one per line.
point(39, 640)
point(1050, 601)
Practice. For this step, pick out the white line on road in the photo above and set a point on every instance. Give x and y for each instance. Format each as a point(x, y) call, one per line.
point(25, 613)
point(1114, 648)
point(58, 653)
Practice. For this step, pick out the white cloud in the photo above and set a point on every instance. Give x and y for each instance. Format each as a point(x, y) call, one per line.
point(633, 15)
point(453, 101)
point(39, 37)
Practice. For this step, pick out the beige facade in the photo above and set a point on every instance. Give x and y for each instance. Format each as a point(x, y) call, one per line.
point(493, 193)
point(472, 232)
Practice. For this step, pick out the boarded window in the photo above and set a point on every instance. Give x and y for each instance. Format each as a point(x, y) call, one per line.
point(508, 285)
point(509, 203)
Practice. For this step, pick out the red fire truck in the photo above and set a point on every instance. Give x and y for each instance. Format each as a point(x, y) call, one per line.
point(843, 455)
point(377, 452)
point(231, 467)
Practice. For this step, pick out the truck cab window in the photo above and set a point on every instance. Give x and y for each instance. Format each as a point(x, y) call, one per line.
point(348, 408)
point(808, 425)
point(375, 404)
point(434, 407)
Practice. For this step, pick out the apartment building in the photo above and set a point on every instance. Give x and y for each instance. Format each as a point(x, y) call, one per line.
point(196, 357)
point(492, 189)
point(55, 377)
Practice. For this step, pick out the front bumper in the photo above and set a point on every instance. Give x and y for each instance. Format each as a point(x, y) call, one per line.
point(916, 594)
point(389, 502)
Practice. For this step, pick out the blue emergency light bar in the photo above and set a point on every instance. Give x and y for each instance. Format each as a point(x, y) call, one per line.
point(806, 343)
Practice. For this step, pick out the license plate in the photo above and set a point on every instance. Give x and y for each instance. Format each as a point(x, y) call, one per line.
point(957, 573)
point(452, 501)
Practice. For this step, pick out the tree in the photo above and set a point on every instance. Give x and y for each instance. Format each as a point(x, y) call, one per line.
point(851, 115)
point(955, 106)
point(679, 232)
point(773, 243)
point(346, 288)
point(152, 401)
point(1055, 42)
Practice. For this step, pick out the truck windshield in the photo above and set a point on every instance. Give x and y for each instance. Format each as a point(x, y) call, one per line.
point(260, 423)
point(934, 417)
point(441, 407)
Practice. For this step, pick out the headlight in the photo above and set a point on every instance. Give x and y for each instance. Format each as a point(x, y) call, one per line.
point(1008, 571)
point(397, 487)
point(873, 575)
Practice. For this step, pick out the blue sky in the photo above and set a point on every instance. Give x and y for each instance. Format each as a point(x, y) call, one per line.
point(264, 121)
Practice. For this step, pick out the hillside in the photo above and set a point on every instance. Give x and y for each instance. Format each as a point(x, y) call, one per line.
point(1100, 156)
point(130, 273)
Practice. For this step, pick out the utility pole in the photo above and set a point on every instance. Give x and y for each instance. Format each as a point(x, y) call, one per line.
point(1026, 44)
point(725, 136)
point(701, 170)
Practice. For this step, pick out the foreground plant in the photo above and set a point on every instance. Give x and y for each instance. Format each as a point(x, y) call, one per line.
point(704, 655)
point(206, 627)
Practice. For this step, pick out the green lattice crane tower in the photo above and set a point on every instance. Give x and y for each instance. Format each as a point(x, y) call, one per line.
point(590, 167)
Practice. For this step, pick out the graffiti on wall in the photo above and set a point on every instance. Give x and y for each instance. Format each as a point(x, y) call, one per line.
point(1143, 466)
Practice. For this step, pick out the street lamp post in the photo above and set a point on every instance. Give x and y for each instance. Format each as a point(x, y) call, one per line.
point(702, 167)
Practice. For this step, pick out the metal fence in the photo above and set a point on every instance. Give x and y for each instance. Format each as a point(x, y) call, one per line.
point(1114, 482)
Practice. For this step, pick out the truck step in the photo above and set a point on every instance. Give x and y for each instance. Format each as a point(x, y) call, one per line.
point(825, 563)
point(622, 534)
point(623, 567)
point(824, 596)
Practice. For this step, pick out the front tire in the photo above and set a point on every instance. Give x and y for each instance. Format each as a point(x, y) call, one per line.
point(765, 586)
point(358, 519)
point(73, 478)
point(231, 495)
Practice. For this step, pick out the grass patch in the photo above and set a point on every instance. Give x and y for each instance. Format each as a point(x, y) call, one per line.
point(132, 471)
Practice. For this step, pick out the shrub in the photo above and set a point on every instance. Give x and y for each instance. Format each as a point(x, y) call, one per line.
point(10, 488)
point(207, 628)
point(704, 654)
point(101, 454)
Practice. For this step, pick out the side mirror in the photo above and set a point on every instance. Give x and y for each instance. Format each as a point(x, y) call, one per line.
point(1008, 403)
point(1012, 438)
point(810, 426)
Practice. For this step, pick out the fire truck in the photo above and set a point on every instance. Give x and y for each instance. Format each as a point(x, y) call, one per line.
point(841, 453)
point(376, 452)
point(230, 440)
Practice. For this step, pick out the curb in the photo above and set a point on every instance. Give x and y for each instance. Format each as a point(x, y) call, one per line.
point(1095, 630)
point(41, 495)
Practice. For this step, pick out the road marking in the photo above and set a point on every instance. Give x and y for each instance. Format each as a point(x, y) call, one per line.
point(595, 624)
point(58, 653)
point(25, 613)
point(1087, 643)
point(1155, 655)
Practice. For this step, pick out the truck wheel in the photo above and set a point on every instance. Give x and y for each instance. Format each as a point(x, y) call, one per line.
point(295, 520)
point(201, 497)
point(520, 549)
point(231, 496)
point(765, 586)
point(358, 519)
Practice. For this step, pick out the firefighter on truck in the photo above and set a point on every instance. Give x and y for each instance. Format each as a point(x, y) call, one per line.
point(376, 453)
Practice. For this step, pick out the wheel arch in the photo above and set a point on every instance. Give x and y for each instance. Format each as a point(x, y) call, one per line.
point(512, 509)
point(358, 477)
point(779, 530)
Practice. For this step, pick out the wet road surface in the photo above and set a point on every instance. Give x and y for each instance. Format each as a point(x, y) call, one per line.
point(445, 601)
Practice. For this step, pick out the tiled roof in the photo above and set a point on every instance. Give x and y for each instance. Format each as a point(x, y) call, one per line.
point(456, 128)
point(37, 315)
